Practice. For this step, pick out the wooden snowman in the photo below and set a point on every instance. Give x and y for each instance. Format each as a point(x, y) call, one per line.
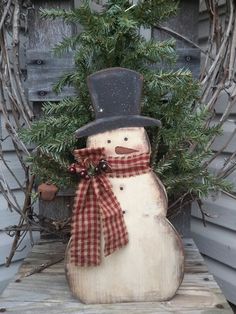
point(123, 248)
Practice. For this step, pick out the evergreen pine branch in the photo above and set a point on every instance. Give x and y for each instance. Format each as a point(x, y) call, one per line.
point(149, 12)
point(162, 81)
point(152, 52)
point(82, 15)
point(66, 15)
point(66, 45)
point(65, 80)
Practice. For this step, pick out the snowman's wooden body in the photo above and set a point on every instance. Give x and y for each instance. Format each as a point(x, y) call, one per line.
point(150, 267)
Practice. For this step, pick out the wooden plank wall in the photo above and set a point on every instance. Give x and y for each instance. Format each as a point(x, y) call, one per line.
point(44, 70)
point(217, 240)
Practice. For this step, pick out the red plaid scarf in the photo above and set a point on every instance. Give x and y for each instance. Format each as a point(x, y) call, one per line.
point(96, 207)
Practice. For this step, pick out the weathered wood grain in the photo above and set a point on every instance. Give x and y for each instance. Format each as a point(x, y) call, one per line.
point(45, 33)
point(48, 291)
point(184, 23)
point(44, 70)
point(59, 208)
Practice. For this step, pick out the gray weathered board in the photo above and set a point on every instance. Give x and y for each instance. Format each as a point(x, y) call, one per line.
point(47, 292)
point(44, 70)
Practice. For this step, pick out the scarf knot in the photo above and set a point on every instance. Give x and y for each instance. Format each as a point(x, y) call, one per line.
point(96, 208)
point(91, 162)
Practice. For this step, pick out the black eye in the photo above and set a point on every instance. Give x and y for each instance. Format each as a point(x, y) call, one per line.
point(108, 141)
point(126, 139)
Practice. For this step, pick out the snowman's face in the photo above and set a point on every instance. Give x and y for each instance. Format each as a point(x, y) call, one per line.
point(121, 142)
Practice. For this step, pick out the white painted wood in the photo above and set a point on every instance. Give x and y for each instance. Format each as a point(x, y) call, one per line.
point(151, 266)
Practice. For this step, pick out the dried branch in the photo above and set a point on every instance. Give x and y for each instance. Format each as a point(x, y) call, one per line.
point(217, 77)
point(5, 12)
point(179, 36)
point(16, 111)
point(42, 267)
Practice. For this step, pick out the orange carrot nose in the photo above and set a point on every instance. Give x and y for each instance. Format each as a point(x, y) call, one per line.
point(124, 150)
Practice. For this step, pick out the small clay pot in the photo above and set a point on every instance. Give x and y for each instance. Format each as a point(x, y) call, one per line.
point(47, 191)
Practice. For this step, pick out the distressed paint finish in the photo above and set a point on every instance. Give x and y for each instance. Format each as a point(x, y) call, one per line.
point(150, 267)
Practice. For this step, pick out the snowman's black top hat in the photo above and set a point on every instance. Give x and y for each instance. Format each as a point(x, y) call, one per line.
point(115, 94)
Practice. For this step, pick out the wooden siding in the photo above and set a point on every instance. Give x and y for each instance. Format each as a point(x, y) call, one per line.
point(43, 71)
point(216, 241)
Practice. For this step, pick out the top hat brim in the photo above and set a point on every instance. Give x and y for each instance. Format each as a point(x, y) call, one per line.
point(107, 124)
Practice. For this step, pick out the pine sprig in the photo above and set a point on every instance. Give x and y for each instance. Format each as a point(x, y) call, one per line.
point(151, 12)
point(66, 45)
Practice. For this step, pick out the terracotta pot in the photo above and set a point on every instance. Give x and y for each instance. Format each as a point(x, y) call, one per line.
point(47, 191)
